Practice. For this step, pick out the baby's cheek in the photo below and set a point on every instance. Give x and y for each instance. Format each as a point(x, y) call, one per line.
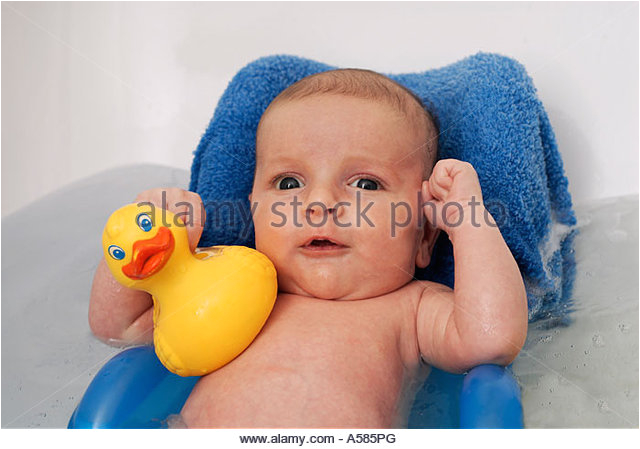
point(265, 227)
point(402, 232)
point(400, 215)
point(368, 214)
point(403, 221)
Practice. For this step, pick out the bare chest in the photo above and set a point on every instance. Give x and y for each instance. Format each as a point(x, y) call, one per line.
point(314, 364)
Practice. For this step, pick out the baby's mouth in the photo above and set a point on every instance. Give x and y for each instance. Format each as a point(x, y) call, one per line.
point(322, 244)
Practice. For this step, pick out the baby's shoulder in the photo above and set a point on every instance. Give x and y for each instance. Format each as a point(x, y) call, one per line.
point(431, 295)
point(409, 300)
point(416, 290)
point(432, 288)
point(406, 301)
point(418, 296)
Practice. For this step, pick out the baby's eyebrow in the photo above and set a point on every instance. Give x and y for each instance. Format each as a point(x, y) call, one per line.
point(372, 162)
point(281, 160)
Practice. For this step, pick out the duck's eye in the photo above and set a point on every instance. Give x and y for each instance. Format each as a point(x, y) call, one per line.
point(116, 252)
point(288, 182)
point(144, 222)
point(366, 184)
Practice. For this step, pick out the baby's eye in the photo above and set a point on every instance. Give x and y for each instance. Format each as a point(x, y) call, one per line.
point(289, 182)
point(144, 222)
point(366, 184)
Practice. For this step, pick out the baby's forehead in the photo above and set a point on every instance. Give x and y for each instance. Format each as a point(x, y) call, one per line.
point(336, 100)
point(280, 116)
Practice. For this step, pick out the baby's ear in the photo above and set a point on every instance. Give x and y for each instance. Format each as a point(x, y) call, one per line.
point(425, 247)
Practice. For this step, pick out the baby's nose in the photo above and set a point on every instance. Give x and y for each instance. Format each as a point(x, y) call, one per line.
point(318, 208)
point(322, 201)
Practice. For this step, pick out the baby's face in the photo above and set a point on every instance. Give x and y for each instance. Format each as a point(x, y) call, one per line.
point(335, 177)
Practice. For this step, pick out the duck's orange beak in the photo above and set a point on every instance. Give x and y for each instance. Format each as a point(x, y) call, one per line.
point(150, 255)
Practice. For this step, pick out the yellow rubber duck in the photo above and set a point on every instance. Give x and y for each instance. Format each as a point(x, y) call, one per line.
point(208, 306)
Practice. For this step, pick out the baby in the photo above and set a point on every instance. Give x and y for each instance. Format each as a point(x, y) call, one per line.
point(348, 201)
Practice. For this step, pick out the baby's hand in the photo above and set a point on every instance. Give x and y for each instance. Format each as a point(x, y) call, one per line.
point(450, 193)
point(186, 205)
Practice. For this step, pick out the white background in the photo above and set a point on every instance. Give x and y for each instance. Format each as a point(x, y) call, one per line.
point(91, 86)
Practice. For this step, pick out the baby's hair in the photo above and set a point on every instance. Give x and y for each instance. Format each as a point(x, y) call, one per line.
point(368, 85)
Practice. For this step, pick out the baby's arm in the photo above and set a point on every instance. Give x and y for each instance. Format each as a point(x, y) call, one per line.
point(120, 315)
point(484, 319)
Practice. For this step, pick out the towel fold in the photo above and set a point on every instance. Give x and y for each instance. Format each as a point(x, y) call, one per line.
point(488, 114)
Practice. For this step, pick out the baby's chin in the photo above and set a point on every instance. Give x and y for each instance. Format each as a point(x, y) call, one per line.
point(333, 289)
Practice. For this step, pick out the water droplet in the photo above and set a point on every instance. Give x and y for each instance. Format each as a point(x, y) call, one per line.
point(603, 406)
point(617, 235)
point(598, 341)
point(586, 352)
point(545, 339)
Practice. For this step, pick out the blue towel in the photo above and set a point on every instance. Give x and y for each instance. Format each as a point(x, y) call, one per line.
point(488, 114)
